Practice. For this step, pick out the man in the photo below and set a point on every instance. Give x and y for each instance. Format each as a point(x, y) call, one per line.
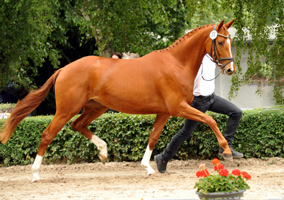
point(204, 99)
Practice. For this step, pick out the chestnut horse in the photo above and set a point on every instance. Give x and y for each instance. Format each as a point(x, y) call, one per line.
point(160, 82)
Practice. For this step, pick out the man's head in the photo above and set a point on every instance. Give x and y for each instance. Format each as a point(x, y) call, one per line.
point(116, 55)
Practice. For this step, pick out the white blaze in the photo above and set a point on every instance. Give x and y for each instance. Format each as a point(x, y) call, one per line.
point(231, 55)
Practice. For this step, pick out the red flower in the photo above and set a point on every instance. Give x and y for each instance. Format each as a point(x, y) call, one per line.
point(215, 161)
point(218, 167)
point(200, 173)
point(206, 173)
point(236, 172)
point(224, 172)
point(246, 175)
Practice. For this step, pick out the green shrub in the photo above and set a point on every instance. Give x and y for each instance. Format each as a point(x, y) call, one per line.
point(260, 134)
point(6, 107)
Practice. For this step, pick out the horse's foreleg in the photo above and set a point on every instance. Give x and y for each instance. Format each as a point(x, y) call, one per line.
point(35, 168)
point(158, 126)
point(91, 111)
point(191, 113)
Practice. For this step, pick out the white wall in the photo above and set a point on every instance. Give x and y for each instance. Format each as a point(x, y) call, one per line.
point(247, 97)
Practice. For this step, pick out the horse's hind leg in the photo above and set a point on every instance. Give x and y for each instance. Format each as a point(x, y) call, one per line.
point(91, 111)
point(158, 126)
point(59, 120)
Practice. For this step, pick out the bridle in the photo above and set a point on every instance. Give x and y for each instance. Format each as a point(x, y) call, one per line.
point(214, 50)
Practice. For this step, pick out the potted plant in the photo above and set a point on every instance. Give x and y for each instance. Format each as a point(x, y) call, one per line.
point(221, 184)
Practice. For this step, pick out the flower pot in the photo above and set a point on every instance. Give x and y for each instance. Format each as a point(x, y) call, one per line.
point(221, 195)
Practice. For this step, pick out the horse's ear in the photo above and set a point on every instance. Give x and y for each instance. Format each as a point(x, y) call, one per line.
point(220, 25)
point(229, 24)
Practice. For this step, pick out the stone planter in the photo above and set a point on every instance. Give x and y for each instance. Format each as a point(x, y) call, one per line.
point(221, 196)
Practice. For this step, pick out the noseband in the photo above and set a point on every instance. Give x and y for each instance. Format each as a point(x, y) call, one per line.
point(214, 50)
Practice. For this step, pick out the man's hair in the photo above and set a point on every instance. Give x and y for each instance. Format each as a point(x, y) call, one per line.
point(118, 54)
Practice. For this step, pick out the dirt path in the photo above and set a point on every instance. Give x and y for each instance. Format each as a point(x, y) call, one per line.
point(128, 180)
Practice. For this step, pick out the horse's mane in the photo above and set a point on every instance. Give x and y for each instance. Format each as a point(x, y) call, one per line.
point(187, 35)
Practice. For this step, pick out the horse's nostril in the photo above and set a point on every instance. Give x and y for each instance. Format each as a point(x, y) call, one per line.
point(229, 71)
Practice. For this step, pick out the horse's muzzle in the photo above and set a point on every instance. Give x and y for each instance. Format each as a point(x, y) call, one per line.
point(229, 71)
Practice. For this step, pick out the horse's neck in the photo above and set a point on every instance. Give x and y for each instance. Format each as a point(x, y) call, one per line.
point(190, 49)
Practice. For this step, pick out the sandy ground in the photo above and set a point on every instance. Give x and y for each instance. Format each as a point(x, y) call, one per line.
point(128, 180)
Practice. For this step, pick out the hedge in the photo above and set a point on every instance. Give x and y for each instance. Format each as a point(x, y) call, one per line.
point(259, 135)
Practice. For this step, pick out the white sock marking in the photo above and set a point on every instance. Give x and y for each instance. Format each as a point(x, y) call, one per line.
point(35, 168)
point(146, 160)
point(102, 146)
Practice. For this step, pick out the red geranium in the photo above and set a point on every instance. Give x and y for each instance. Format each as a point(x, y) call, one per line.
point(221, 180)
point(224, 172)
point(206, 172)
point(217, 164)
point(218, 167)
point(215, 161)
point(246, 175)
point(200, 173)
point(236, 172)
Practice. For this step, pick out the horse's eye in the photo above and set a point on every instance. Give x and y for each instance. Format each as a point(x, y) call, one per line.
point(220, 43)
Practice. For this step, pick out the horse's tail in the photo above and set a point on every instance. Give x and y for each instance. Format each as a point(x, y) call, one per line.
point(25, 107)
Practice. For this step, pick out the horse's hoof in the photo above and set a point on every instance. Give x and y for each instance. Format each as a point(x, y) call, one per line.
point(152, 174)
point(35, 181)
point(228, 157)
point(103, 158)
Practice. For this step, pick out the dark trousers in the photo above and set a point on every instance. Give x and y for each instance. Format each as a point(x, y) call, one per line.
point(212, 103)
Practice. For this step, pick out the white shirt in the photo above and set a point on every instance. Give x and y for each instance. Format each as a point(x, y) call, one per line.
point(205, 87)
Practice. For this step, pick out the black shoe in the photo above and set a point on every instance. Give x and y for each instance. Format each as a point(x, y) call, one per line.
point(161, 163)
point(235, 154)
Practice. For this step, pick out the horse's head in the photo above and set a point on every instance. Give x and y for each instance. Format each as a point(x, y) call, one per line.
point(219, 47)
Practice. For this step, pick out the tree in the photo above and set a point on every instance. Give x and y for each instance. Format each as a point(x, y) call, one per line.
point(34, 32)
point(24, 30)
point(134, 26)
point(261, 19)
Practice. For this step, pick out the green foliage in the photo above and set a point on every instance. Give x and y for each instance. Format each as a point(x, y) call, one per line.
point(260, 134)
point(256, 22)
point(36, 32)
point(136, 26)
point(24, 30)
point(208, 12)
point(6, 106)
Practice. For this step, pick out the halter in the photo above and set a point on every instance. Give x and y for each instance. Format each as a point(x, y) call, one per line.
point(214, 49)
